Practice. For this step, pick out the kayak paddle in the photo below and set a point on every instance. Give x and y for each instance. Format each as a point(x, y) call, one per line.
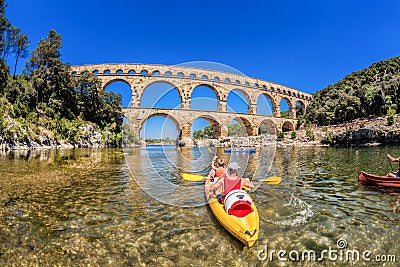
point(272, 180)
point(192, 177)
point(268, 180)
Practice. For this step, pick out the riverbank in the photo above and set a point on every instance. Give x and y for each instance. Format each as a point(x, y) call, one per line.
point(361, 132)
point(261, 141)
point(54, 134)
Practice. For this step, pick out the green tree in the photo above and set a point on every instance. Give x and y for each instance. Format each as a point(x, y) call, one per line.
point(51, 78)
point(285, 114)
point(9, 39)
point(128, 137)
point(236, 129)
point(88, 96)
point(198, 134)
point(309, 132)
point(208, 132)
point(20, 49)
point(20, 89)
point(46, 53)
point(110, 112)
point(4, 25)
point(371, 91)
point(280, 135)
point(96, 105)
point(391, 113)
point(48, 95)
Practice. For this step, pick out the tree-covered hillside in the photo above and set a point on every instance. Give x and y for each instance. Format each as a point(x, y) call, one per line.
point(373, 91)
point(46, 103)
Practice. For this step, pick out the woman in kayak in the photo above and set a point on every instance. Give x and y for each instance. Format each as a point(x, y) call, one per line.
point(396, 174)
point(217, 171)
point(231, 181)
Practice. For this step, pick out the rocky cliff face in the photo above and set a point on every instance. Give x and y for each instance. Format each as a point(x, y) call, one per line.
point(369, 136)
point(365, 132)
point(89, 138)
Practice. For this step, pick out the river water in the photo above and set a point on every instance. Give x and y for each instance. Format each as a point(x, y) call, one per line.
point(110, 207)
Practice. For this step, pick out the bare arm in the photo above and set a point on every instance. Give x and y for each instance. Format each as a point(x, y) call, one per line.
point(216, 185)
point(247, 182)
point(393, 159)
point(211, 173)
point(213, 162)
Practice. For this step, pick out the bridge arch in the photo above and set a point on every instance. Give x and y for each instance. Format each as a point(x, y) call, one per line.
point(161, 114)
point(287, 126)
point(300, 108)
point(218, 129)
point(290, 108)
point(238, 95)
point(265, 101)
point(246, 124)
point(158, 91)
point(113, 80)
point(198, 99)
point(122, 87)
point(267, 126)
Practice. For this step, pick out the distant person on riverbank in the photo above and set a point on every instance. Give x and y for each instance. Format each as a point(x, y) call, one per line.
point(231, 181)
point(396, 174)
point(218, 170)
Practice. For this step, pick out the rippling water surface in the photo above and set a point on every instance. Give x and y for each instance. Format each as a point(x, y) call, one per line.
point(128, 208)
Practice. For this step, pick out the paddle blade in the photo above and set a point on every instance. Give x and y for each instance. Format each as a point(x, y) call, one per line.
point(192, 177)
point(272, 180)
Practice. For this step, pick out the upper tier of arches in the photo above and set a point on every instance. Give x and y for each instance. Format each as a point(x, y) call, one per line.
point(186, 79)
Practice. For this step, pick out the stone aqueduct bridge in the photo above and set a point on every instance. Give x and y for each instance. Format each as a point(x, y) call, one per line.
point(185, 80)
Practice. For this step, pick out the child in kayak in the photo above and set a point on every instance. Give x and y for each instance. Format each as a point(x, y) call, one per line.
point(396, 174)
point(231, 181)
point(217, 171)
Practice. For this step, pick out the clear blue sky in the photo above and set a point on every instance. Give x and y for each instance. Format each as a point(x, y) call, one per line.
point(302, 44)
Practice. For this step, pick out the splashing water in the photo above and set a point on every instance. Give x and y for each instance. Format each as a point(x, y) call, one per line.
point(296, 211)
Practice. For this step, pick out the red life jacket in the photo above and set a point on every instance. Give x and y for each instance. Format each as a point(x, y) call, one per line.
point(219, 172)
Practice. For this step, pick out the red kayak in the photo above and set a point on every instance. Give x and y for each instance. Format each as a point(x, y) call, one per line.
point(371, 179)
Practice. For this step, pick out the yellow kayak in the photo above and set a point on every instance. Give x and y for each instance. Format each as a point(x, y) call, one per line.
point(245, 227)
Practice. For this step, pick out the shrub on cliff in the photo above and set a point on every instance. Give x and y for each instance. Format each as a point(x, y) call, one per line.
point(280, 135)
point(64, 129)
point(329, 139)
point(391, 116)
point(309, 132)
point(3, 125)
